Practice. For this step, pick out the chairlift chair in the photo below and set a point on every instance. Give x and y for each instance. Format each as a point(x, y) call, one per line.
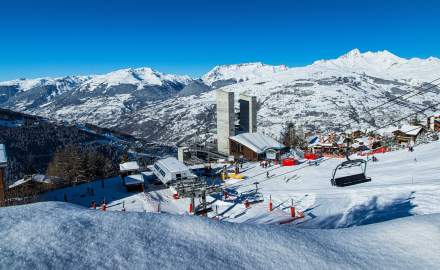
point(352, 179)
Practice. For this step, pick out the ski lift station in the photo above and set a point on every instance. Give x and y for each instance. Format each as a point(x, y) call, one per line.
point(170, 170)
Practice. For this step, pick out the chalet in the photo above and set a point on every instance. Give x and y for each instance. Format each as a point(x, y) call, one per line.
point(434, 123)
point(357, 134)
point(3, 165)
point(407, 134)
point(319, 144)
point(254, 146)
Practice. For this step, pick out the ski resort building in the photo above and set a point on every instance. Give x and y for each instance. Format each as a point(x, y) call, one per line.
point(3, 165)
point(407, 134)
point(248, 114)
point(226, 118)
point(253, 146)
point(128, 167)
point(170, 170)
point(134, 182)
point(132, 179)
point(434, 123)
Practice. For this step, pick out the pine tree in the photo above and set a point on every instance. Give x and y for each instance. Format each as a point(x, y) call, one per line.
point(292, 138)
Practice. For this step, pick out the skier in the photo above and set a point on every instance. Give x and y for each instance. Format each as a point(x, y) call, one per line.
point(247, 204)
point(267, 174)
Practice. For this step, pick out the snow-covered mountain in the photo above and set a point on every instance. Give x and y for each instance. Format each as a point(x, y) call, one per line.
point(160, 107)
point(383, 64)
point(230, 74)
point(28, 95)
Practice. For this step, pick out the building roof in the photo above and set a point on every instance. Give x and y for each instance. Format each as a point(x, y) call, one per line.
point(410, 130)
point(3, 157)
point(147, 173)
point(313, 140)
point(364, 140)
point(134, 179)
point(129, 166)
point(38, 178)
point(257, 142)
point(171, 164)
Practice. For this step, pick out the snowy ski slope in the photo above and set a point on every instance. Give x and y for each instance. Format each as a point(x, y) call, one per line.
point(399, 210)
point(403, 184)
point(59, 235)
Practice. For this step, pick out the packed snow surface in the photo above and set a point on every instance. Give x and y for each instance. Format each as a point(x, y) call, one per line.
point(60, 235)
point(403, 184)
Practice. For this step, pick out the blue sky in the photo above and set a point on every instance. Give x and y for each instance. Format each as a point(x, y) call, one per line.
point(57, 38)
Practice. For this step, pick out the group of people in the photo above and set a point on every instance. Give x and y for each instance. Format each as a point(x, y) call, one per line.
point(265, 163)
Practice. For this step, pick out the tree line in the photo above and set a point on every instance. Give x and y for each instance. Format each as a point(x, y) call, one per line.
point(76, 165)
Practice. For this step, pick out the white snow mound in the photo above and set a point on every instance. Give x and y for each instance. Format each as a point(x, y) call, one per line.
point(59, 235)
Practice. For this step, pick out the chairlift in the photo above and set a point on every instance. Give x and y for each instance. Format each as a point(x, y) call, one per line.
point(352, 179)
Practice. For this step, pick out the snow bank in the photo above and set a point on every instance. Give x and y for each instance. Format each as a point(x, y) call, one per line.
point(59, 235)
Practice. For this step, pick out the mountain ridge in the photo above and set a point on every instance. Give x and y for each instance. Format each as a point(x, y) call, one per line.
point(171, 109)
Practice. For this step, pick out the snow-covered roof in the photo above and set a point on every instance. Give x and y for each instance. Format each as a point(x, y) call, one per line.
point(129, 166)
point(363, 140)
point(257, 142)
point(410, 130)
point(3, 157)
point(135, 179)
point(171, 164)
point(313, 140)
point(387, 130)
point(40, 178)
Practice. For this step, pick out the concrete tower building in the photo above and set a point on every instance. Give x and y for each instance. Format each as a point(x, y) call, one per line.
point(3, 165)
point(248, 114)
point(225, 120)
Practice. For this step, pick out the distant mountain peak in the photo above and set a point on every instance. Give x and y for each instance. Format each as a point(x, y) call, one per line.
point(241, 72)
point(357, 54)
point(353, 53)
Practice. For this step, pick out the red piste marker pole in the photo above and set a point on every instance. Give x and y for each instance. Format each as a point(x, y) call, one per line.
point(191, 208)
point(270, 203)
point(292, 209)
